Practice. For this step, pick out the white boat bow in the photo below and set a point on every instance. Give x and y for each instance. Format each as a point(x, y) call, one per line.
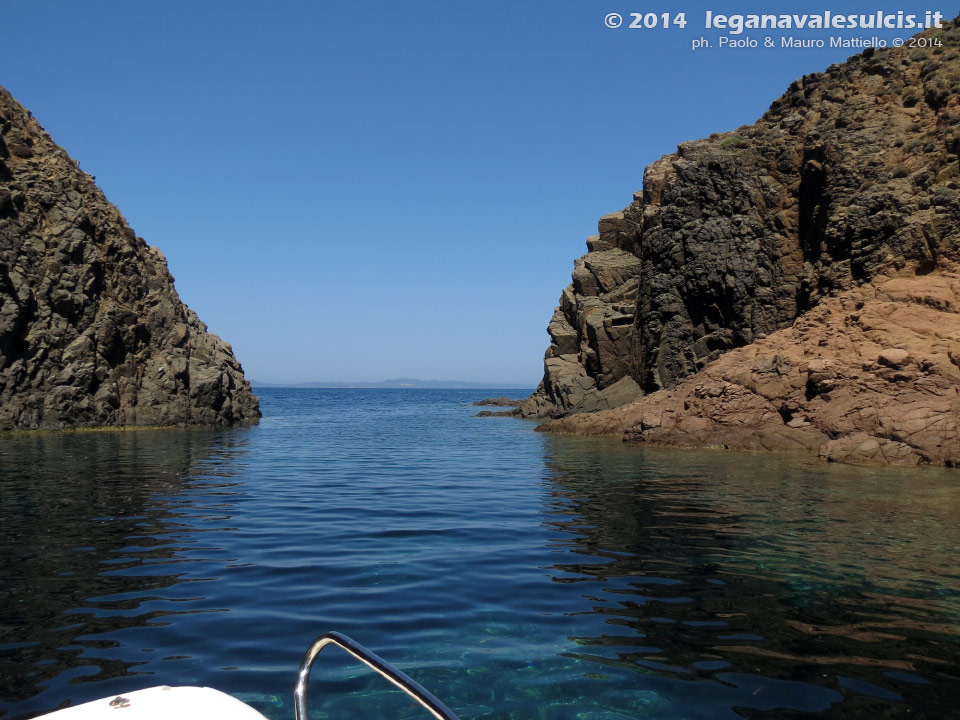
point(162, 703)
point(203, 703)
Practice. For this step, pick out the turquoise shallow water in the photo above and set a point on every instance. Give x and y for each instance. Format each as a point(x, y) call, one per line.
point(515, 575)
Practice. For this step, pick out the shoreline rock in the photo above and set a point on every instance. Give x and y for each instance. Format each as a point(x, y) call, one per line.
point(501, 401)
point(793, 285)
point(871, 376)
point(498, 413)
point(92, 331)
point(849, 176)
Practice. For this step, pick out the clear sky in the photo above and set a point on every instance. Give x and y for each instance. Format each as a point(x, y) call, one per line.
point(351, 190)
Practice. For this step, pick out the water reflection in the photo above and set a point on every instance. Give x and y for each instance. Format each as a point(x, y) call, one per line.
point(93, 543)
point(804, 586)
point(515, 575)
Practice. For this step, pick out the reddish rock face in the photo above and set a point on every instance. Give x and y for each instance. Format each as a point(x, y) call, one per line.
point(92, 331)
point(852, 174)
point(869, 376)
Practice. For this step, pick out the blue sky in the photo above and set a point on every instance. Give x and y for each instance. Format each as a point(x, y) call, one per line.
point(362, 190)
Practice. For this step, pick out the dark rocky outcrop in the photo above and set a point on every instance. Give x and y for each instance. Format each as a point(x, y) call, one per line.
point(852, 171)
point(499, 401)
point(850, 178)
point(92, 331)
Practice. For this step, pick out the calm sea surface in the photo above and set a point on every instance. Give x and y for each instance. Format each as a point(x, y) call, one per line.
point(515, 575)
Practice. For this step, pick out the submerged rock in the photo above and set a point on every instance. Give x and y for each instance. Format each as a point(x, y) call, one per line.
point(92, 331)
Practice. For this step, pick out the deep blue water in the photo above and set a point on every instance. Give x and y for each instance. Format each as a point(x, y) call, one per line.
point(514, 574)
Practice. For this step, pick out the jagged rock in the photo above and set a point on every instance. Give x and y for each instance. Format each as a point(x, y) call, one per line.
point(92, 331)
point(829, 384)
point(852, 173)
point(894, 358)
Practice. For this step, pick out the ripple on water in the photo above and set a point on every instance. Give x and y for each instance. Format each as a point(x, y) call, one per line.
point(516, 575)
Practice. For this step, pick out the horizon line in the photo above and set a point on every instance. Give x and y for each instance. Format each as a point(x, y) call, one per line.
point(395, 381)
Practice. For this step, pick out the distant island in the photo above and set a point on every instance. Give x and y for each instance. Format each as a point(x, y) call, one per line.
point(409, 383)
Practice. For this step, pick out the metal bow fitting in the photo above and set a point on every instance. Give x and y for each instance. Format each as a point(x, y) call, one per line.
point(410, 686)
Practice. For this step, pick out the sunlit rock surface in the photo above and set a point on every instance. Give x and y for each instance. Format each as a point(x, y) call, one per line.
point(92, 331)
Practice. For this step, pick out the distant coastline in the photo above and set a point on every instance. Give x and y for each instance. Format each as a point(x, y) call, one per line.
point(403, 383)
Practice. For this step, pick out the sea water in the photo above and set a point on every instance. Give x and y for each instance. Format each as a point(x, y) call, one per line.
point(514, 574)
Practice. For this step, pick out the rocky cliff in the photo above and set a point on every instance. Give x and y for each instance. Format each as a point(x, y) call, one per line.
point(849, 179)
point(92, 331)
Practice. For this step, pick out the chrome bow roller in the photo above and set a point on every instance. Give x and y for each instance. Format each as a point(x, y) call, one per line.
point(410, 686)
